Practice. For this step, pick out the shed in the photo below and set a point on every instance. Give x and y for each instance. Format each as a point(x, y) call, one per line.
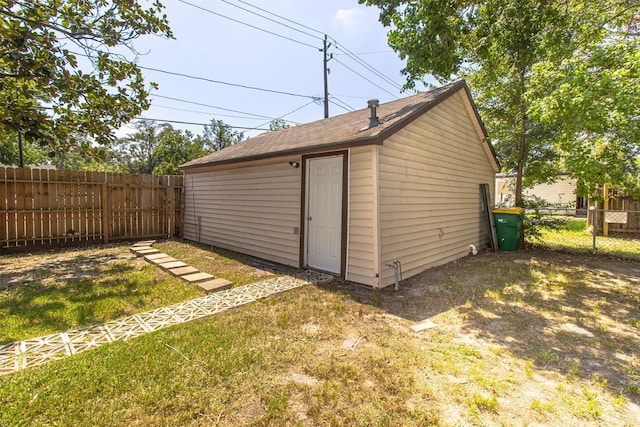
point(351, 194)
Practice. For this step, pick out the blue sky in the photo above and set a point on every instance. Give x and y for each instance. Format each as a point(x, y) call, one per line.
point(213, 47)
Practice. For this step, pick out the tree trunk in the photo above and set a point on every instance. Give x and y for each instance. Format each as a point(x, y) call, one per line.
point(522, 149)
point(522, 146)
point(520, 167)
point(61, 165)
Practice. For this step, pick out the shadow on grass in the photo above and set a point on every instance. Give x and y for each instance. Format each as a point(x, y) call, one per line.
point(65, 291)
point(66, 294)
point(578, 316)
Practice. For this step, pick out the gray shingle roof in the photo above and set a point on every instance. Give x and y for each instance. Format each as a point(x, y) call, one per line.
point(345, 130)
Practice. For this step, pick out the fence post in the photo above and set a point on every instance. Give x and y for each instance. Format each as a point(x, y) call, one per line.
point(594, 218)
point(180, 206)
point(605, 224)
point(105, 213)
point(169, 198)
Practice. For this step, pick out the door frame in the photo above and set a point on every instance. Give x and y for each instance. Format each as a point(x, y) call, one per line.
point(303, 208)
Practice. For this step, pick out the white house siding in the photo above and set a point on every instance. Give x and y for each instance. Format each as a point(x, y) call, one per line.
point(563, 191)
point(252, 209)
point(503, 189)
point(429, 176)
point(361, 259)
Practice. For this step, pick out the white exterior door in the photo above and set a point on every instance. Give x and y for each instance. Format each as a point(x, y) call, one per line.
point(324, 213)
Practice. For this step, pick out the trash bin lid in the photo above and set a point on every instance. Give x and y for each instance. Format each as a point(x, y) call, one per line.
point(516, 211)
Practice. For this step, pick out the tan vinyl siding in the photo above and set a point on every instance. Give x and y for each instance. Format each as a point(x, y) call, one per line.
point(361, 261)
point(251, 209)
point(429, 176)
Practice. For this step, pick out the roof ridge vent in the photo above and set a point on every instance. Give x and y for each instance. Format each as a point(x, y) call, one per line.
point(373, 105)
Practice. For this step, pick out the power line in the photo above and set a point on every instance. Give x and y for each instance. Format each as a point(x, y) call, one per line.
point(189, 76)
point(174, 121)
point(338, 46)
point(359, 97)
point(173, 73)
point(369, 53)
point(366, 65)
point(236, 117)
point(270, 19)
point(210, 106)
point(355, 72)
point(343, 104)
point(205, 112)
point(345, 50)
point(339, 105)
point(248, 25)
point(192, 123)
point(282, 17)
point(290, 112)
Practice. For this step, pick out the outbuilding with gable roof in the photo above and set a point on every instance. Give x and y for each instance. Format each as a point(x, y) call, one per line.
point(352, 194)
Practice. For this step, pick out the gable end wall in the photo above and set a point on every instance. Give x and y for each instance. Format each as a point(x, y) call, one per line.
point(429, 195)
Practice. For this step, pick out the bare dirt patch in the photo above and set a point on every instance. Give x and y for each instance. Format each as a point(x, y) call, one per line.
point(76, 264)
point(536, 336)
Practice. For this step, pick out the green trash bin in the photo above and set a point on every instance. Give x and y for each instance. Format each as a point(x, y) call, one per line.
point(508, 223)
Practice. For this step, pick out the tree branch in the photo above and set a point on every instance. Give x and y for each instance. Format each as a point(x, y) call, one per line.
point(59, 29)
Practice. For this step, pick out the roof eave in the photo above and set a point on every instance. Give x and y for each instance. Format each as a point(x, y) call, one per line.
point(484, 129)
point(370, 140)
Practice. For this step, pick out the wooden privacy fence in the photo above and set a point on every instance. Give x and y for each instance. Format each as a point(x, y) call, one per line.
point(617, 215)
point(43, 207)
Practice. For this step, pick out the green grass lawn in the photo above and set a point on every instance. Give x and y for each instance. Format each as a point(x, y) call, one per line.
point(576, 237)
point(54, 291)
point(521, 338)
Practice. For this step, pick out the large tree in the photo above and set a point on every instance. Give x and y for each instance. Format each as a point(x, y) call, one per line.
point(158, 149)
point(175, 148)
point(33, 154)
point(136, 151)
point(91, 157)
point(218, 135)
point(593, 99)
point(64, 67)
point(499, 46)
point(278, 124)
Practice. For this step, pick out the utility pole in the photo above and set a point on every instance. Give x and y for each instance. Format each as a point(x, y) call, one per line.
point(326, 46)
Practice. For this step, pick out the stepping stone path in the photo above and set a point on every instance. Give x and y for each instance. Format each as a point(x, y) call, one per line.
point(183, 271)
point(159, 261)
point(20, 355)
point(171, 265)
point(197, 277)
point(178, 268)
point(215, 285)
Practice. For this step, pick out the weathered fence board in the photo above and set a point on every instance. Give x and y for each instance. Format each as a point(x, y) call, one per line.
point(624, 204)
point(43, 207)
